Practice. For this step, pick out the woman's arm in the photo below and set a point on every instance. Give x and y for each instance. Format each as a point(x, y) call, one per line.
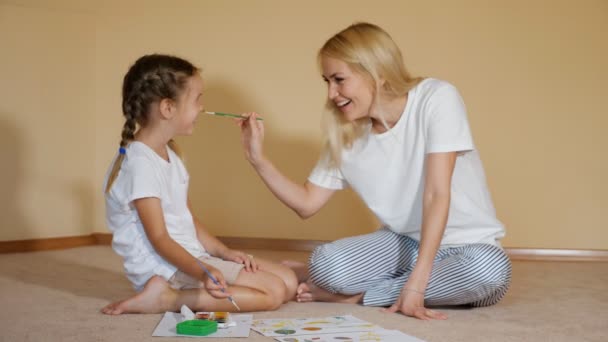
point(436, 204)
point(306, 199)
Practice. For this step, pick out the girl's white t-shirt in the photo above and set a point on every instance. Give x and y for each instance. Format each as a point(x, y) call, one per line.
point(387, 170)
point(143, 174)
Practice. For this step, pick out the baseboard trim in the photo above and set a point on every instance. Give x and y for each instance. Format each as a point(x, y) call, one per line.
point(20, 246)
point(271, 244)
point(519, 254)
point(543, 254)
point(102, 238)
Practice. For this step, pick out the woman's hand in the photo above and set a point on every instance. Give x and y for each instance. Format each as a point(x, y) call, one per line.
point(411, 303)
point(252, 136)
point(215, 289)
point(241, 258)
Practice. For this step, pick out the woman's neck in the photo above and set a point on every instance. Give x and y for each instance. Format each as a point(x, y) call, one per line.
point(392, 111)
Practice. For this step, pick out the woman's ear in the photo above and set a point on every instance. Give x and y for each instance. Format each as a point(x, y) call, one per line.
point(167, 108)
point(381, 83)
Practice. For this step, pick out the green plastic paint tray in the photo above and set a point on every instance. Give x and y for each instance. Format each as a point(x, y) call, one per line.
point(196, 327)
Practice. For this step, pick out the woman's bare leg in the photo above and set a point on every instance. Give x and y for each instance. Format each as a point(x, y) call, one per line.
point(309, 292)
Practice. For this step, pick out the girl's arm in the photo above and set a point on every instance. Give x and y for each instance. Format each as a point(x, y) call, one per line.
point(436, 204)
point(217, 248)
point(151, 215)
point(306, 200)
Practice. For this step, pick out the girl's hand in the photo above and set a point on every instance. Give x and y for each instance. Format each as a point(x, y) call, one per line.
point(252, 135)
point(215, 289)
point(411, 303)
point(241, 258)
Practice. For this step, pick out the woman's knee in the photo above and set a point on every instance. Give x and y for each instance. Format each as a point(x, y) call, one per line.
point(322, 264)
point(328, 268)
point(491, 267)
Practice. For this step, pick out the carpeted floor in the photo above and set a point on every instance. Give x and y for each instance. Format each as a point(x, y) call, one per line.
point(56, 296)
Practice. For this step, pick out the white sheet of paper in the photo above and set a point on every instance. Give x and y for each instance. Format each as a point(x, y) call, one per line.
point(333, 328)
point(308, 326)
point(367, 336)
point(166, 326)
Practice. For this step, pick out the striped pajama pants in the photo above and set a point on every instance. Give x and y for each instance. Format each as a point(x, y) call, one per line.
point(379, 264)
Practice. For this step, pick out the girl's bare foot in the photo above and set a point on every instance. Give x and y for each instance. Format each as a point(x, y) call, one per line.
point(309, 292)
point(156, 297)
point(300, 268)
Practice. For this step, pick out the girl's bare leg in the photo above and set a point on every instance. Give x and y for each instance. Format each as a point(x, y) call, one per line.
point(284, 273)
point(259, 291)
point(156, 297)
point(300, 269)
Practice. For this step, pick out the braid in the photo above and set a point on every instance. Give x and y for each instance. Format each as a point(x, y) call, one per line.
point(151, 79)
point(128, 131)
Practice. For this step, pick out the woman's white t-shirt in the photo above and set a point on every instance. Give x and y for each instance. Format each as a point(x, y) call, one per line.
point(387, 170)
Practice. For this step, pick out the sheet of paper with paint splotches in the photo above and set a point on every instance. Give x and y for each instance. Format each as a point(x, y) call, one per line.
point(333, 328)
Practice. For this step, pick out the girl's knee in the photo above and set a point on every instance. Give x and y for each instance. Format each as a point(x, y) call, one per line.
point(277, 294)
point(289, 279)
point(291, 284)
point(286, 283)
point(274, 292)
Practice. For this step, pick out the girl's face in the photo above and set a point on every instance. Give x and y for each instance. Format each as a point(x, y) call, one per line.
point(349, 91)
point(189, 105)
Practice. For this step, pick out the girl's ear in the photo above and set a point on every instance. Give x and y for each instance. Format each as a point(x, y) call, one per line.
point(167, 108)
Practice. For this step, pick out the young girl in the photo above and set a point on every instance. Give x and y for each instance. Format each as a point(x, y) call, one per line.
point(404, 145)
point(163, 246)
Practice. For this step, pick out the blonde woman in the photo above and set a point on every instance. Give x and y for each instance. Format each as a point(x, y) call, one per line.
point(404, 145)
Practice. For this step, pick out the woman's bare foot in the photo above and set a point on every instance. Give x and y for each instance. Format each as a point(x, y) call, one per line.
point(300, 268)
point(156, 297)
point(309, 292)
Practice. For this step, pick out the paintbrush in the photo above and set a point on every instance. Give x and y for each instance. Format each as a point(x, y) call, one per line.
point(231, 115)
point(217, 283)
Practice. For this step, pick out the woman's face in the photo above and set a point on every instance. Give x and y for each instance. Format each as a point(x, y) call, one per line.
point(349, 91)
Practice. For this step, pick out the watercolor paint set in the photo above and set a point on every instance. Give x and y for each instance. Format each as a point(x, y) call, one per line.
point(222, 318)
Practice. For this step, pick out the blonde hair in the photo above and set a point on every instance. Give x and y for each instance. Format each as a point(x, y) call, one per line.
point(151, 79)
point(371, 52)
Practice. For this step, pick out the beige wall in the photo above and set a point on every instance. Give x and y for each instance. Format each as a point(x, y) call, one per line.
point(47, 109)
point(532, 75)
